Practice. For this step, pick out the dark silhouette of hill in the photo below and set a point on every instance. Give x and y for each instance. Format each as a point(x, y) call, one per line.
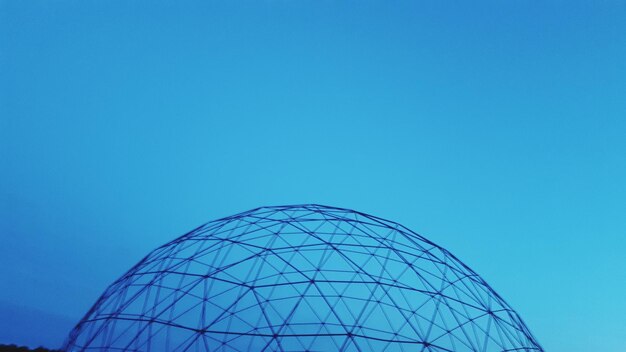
point(32, 327)
point(14, 348)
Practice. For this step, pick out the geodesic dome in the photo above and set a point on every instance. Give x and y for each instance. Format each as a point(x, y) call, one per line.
point(301, 278)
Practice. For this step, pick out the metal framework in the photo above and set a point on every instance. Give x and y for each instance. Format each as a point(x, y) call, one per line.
point(301, 278)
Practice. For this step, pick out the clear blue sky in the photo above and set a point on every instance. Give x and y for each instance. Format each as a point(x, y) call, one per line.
point(497, 129)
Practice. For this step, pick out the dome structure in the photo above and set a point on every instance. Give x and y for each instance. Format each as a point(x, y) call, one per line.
point(301, 278)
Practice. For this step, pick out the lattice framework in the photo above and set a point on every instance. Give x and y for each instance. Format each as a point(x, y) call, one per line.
point(301, 278)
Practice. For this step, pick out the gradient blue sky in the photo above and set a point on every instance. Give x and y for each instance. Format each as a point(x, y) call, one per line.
point(497, 129)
